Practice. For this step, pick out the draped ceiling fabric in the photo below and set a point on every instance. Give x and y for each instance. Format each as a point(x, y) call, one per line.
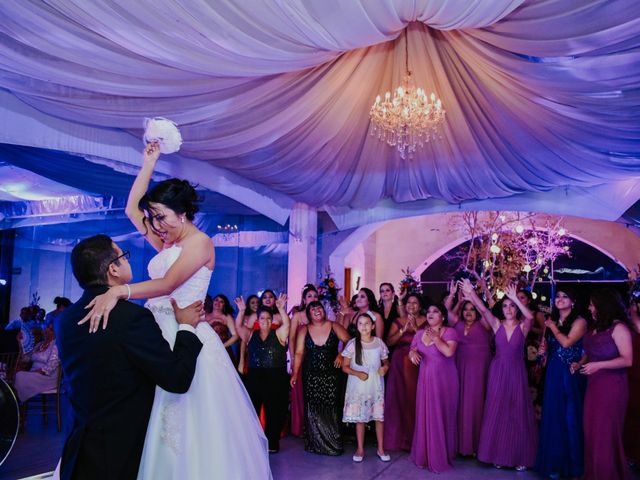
point(540, 95)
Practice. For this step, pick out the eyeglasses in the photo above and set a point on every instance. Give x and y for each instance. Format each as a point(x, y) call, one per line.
point(125, 254)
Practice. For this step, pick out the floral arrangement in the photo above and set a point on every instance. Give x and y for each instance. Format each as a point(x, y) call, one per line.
point(163, 131)
point(509, 247)
point(328, 290)
point(409, 283)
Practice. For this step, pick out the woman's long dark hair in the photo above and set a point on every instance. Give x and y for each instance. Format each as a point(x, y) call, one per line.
point(533, 303)
point(609, 308)
point(273, 309)
point(575, 310)
point(358, 341)
point(247, 309)
point(227, 309)
point(498, 311)
point(464, 304)
point(393, 313)
point(309, 287)
point(178, 195)
point(371, 297)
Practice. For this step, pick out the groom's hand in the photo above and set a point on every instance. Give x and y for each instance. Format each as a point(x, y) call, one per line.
point(190, 315)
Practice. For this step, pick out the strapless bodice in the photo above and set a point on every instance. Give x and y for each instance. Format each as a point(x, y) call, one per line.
point(195, 288)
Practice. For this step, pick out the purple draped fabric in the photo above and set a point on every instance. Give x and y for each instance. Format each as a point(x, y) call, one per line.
point(539, 94)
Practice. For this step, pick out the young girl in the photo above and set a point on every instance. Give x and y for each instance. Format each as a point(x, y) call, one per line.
point(366, 362)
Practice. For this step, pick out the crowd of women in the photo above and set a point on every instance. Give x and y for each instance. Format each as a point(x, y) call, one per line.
point(445, 379)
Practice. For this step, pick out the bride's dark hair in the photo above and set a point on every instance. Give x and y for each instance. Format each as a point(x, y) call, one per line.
point(179, 195)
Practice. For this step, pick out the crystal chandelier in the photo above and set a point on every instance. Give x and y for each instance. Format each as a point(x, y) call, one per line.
point(409, 119)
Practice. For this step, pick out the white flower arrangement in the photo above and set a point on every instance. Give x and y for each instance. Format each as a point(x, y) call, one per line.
point(163, 131)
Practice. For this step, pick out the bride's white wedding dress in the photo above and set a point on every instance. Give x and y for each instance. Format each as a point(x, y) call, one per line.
point(211, 431)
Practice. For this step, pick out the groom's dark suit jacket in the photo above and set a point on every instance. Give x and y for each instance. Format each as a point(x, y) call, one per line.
point(112, 375)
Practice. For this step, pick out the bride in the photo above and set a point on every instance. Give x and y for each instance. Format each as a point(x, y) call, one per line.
point(212, 430)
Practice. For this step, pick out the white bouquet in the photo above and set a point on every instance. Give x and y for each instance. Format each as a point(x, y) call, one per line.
point(163, 131)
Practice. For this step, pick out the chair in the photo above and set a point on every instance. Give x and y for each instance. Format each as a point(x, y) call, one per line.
point(8, 363)
point(38, 405)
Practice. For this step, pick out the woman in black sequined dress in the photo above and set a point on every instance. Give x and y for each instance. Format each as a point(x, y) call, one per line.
point(267, 378)
point(317, 353)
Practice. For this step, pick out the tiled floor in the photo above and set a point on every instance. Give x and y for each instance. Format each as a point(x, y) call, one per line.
point(37, 451)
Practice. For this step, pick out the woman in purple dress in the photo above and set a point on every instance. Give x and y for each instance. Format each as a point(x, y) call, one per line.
point(608, 354)
point(632, 421)
point(435, 434)
point(390, 307)
point(508, 434)
point(400, 403)
point(472, 359)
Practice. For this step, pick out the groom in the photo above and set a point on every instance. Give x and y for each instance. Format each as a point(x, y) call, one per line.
point(113, 373)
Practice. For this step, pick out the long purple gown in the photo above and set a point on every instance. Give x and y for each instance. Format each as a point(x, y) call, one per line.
point(508, 435)
point(473, 357)
point(605, 406)
point(435, 434)
point(400, 402)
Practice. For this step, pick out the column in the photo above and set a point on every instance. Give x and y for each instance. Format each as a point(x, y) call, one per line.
point(303, 247)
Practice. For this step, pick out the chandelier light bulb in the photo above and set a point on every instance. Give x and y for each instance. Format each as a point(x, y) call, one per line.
point(519, 228)
point(494, 249)
point(562, 232)
point(494, 237)
point(526, 268)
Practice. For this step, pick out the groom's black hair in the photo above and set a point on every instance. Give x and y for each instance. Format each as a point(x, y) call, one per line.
point(90, 260)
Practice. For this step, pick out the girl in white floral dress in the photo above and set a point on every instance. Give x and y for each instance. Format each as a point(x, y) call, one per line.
point(366, 362)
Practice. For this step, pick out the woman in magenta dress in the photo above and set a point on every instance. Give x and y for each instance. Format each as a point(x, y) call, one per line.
point(632, 421)
point(435, 434)
point(472, 360)
point(608, 354)
point(508, 436)
point(400, 403)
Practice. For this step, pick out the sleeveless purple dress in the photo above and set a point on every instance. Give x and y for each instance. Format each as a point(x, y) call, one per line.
point(605, 405)
point(508, 435)
point(473, 357)
point(435, 434)
point(400, 401)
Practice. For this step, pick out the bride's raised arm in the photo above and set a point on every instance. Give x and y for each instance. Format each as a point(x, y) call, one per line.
point(138, 189)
